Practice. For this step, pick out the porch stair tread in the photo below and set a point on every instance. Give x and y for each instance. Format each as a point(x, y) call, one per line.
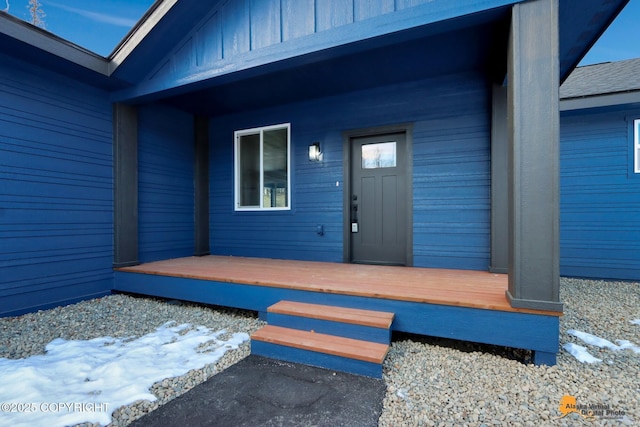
point(323, 343)
point(376, 319)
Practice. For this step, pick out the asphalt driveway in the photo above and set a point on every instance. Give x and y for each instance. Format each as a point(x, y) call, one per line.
point(258, 391)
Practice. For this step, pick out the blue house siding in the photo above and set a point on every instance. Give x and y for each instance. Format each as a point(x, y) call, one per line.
point(600, 198)
point(56, 195)
point(165, 183)
point(451, 182)
point(452, 199)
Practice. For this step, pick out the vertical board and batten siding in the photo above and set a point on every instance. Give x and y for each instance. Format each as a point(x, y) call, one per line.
point(451, 166)
point(165, 183)
point(599, 196)
point(56, 193)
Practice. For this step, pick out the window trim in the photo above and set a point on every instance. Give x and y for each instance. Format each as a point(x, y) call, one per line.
point(636, 146)
point(236, 168)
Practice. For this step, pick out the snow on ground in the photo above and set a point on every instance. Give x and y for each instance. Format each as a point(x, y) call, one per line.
point(626, 344)
point(636, 321)
point(582, 354)
point(593, 340)
point(85, 381)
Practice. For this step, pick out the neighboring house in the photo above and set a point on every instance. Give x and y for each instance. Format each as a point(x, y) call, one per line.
point(196, 136)
point(600, 171)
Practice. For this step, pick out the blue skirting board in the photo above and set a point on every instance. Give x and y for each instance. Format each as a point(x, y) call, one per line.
point(327, 361)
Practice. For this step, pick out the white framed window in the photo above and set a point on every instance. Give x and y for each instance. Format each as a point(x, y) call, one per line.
point(262, 168)
point(636, 145)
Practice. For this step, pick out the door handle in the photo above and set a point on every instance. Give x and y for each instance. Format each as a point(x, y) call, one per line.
point(354, 214)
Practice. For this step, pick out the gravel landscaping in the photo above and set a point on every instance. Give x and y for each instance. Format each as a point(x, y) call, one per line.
point(442, 385)
point(429, 381)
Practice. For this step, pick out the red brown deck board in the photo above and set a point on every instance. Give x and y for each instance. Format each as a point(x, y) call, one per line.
point(462, 288)
point(375, 319)
point(338, 346)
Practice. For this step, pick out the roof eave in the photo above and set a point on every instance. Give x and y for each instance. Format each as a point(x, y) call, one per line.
point(571, 57)
point(600, 100)
point(52, 44)
point(142, 28)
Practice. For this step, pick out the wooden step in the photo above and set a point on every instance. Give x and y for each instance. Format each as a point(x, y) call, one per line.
point(322, 343)
point(376, 319)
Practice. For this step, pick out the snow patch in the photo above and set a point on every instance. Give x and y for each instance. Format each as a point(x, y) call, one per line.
point(626, 344)
point(106, 372)
point(593, 340)
point(583, 355)
point(580, 353)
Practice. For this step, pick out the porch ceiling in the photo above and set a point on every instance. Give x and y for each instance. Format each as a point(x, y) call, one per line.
point(374, 63)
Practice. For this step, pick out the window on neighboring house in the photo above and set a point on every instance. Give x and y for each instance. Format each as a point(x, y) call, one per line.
point(636, 144)
point(262, 173)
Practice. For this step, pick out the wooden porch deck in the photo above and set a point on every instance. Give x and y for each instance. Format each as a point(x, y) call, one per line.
point(459, 304)
point(461, 288)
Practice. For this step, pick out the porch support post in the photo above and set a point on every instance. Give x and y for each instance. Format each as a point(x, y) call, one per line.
point(125, 185)
point(499, 179)
point(533, 130)
point(201, 186)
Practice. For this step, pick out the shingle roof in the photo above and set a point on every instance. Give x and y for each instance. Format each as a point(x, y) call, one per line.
point(601, 79)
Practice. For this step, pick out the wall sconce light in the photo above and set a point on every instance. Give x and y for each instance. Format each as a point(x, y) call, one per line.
point(315, 155)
